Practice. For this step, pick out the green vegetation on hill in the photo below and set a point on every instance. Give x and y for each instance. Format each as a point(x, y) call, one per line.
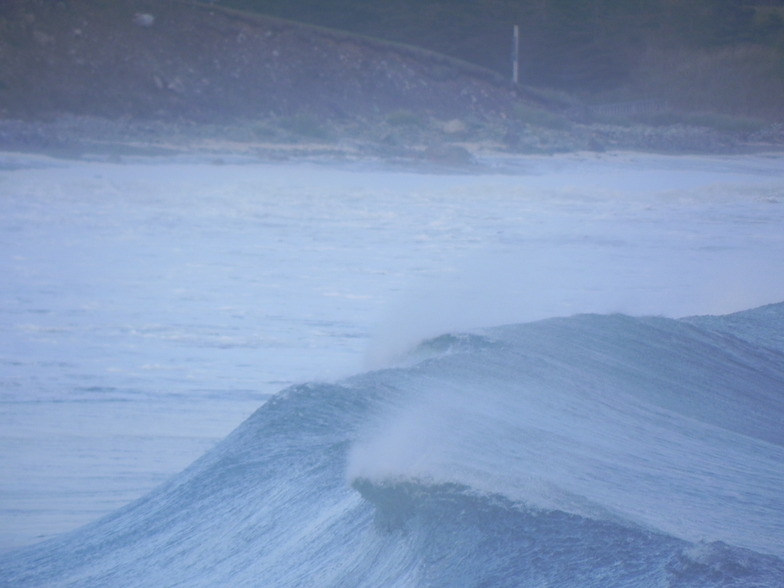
point(713, 55)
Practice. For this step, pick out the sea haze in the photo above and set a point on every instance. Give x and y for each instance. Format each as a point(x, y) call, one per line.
point(149, 307)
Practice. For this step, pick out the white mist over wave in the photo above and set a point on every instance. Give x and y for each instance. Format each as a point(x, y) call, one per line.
point(644, 422)
point(699, 246)
point(516, 287)
point(136, 288)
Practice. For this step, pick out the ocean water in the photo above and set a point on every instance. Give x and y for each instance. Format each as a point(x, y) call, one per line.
point(595, 450)
point(595, 440)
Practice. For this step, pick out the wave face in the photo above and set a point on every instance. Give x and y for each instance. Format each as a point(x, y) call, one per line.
point(586, 451)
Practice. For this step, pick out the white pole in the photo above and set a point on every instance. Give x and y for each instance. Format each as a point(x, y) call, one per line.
point(515, 54)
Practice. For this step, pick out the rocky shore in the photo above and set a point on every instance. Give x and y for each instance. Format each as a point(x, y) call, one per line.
point(451, 142)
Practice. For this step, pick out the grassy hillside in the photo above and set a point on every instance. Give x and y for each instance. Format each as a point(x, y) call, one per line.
point(713, 55)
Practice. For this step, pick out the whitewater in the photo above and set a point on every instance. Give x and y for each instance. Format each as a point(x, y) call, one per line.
point(554, 372)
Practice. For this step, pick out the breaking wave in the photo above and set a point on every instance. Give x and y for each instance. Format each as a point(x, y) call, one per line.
point(595, 450)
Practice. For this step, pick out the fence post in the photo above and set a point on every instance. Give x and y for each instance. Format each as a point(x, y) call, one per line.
point(515, 54)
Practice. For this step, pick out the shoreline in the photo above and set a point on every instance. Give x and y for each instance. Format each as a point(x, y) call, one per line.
point(97, 139)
